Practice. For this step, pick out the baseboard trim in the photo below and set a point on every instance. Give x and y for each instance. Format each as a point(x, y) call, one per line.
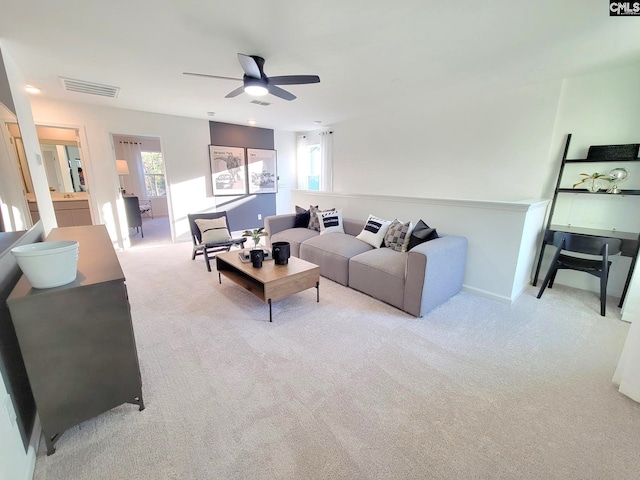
point(486, 294)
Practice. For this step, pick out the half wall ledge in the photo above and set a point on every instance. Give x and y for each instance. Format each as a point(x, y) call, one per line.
point(503, 235)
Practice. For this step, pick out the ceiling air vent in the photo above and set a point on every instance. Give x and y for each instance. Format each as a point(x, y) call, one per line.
point(81, 86)
point(258, 102)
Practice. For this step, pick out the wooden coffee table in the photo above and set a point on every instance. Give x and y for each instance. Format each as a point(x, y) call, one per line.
point(271, 282)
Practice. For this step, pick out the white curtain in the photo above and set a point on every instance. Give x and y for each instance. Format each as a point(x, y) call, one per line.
point(627, 375)
point(302, 162)
point(326, 161)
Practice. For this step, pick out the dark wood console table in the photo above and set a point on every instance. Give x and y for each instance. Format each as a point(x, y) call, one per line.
point(77, 340)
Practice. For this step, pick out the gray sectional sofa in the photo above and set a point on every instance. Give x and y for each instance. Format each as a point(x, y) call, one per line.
point(415, 281)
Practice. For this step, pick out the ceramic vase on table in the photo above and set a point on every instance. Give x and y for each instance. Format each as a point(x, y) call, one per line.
point(257, 257)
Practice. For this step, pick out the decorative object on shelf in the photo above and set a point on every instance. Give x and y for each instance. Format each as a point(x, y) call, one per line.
point(594, 182)
point(257, 256)
point(228, 167)
point(617, 176)
point(255, 234)
point(613, 152)
point(262, 167)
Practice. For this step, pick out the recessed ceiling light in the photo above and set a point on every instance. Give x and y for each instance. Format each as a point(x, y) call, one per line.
point(211, 114)
point(317, 122)
point(32, 89)
point(251, 122)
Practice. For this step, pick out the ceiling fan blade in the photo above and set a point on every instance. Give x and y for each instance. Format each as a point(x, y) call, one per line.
point(211, 76)
point(251, 65)
point(294, 79)
point(235, 92)
point(279, 92)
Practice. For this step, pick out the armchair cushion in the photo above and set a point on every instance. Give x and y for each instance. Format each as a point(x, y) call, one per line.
point(214, 230)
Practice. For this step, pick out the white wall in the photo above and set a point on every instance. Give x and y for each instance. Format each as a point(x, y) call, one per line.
point(489, 147)
point(285, 145)
point(184, 146)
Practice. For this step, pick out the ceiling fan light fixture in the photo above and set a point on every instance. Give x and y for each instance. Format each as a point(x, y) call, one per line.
point(256, 90)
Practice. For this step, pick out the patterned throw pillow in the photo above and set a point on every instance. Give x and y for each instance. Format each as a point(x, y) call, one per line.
point(331, 222)
point(214, 230)
point(314, 222)
point(398, 235)
point(374, 231)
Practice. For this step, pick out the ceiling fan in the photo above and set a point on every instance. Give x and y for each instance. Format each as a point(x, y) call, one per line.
point(255, 82)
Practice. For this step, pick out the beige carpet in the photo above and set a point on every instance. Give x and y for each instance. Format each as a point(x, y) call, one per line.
point(351, 388)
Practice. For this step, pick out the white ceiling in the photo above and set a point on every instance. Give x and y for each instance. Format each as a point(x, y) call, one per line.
point(369, 54)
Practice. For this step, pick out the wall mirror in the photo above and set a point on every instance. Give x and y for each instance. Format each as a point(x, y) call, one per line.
point(60, 156)
point(12, 218)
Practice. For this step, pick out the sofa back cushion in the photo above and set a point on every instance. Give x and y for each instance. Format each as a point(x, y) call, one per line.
point(352, 226)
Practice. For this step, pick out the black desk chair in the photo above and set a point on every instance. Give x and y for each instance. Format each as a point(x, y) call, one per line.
point(599, 267)
point(206, 249)
point(132, 208)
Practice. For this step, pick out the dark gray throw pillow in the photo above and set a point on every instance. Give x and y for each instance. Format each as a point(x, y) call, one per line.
point(302, 218)
point(421, 233)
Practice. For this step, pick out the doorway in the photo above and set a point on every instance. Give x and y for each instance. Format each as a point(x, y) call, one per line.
point(62, 158)
point(142, 176)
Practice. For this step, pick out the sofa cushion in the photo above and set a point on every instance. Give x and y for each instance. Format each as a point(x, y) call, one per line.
point(374, 231)
point(295, 236)
point(381, 274)
point(330, 222)
point(421, 233)
point(332, 253)
point(398, 235)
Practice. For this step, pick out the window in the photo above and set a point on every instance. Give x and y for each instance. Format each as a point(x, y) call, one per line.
point(314, 161)
point(153, 167)
point(313, 179)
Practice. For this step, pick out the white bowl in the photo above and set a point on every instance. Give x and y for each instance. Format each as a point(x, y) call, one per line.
point(48, 264)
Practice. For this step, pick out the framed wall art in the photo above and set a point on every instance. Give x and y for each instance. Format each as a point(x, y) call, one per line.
point(262, 168)
point(228, 170)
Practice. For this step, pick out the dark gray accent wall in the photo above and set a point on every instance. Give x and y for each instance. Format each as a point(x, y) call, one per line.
point(243, 210)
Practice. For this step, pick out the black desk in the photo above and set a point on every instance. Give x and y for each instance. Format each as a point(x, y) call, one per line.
point(630, 243)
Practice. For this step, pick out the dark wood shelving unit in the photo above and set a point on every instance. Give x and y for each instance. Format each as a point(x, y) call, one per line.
point(630, 240)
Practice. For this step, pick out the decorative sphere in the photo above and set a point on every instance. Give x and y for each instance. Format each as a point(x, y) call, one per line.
point(619, 174)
